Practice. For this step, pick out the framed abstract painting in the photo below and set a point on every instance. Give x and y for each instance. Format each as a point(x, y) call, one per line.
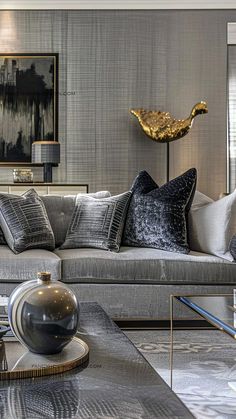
point(28, 104)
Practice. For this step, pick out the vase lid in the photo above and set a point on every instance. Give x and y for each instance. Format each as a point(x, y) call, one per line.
point(44, 276)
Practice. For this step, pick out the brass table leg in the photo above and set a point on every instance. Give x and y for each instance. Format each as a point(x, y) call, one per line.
point(171, 341)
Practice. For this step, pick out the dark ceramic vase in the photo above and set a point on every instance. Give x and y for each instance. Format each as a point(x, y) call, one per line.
point(43, 314)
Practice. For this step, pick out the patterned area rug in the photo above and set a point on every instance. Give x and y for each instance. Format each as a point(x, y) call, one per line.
point(204, 368)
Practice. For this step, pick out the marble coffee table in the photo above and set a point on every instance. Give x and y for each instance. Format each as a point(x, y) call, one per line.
point(116, 382)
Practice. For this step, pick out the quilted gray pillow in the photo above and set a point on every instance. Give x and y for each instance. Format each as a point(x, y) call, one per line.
point(97, 223)
point(157, 216)
point(25, 223)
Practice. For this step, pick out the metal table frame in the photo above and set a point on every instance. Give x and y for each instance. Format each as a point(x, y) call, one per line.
point(216, 325)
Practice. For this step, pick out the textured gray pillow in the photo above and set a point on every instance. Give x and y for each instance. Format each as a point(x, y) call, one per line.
point(60, 209)
point(157, 216)
point(97, 223)
point(25, 223)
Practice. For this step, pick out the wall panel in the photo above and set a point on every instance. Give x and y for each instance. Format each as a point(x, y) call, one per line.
point(115, 60)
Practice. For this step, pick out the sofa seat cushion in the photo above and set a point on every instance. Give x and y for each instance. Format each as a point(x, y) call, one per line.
point(24, 266)
point(143, 265)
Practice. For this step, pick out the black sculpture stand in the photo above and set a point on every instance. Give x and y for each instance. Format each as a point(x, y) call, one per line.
point(168, 162)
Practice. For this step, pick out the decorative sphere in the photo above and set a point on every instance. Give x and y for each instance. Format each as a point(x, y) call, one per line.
point(43, 314)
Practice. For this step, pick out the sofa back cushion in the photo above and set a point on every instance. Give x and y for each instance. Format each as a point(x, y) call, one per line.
point(60, 210)
point(2, 237)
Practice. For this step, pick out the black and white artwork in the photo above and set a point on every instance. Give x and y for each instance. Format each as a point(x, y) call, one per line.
point(28, 104)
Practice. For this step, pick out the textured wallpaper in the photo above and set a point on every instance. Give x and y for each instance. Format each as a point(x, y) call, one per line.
point(232, 115)
point(111, 61)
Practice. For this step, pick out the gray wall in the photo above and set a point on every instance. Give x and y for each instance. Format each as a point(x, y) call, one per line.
point(232, 115)
point(116, 60)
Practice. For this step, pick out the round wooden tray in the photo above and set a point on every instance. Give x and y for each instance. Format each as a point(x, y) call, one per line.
point(17, 362)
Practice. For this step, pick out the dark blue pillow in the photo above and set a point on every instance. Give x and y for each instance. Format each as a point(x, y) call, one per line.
point(143, 183)
point(157, 216)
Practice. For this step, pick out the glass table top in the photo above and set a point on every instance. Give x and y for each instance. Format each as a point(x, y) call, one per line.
point(219, 310)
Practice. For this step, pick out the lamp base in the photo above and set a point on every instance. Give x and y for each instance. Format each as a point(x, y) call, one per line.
point(47, 173)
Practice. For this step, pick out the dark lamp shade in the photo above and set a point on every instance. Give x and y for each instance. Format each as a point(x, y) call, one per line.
point(45, 152)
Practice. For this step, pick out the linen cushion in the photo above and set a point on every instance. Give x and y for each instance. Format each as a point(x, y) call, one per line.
point(157, 217)
point(212, 227)
point(25, 223)
point(97, 222)
point(200, 200)
point(232, 247)
point(60, 209)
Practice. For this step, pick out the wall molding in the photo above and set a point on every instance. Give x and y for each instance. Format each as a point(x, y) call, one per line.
point(116, 4)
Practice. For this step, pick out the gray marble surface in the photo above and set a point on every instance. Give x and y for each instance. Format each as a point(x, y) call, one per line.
point(116, 382)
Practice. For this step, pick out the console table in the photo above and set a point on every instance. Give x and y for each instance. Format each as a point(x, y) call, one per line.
point(44, 188)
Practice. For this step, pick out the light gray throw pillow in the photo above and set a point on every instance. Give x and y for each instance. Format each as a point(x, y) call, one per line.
point(25, 223)
point(97, 223)
point(200, 200)
point(212, 225)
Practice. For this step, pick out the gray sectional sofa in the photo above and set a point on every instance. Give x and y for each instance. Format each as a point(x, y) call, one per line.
point(133, 284)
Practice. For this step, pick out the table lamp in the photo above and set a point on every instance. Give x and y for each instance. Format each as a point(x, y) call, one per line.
point(48, 153)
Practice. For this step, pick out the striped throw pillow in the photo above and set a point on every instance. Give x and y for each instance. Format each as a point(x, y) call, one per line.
point(25, 223)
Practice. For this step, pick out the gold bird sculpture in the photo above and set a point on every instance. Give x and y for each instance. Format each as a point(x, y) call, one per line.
point(162, 127)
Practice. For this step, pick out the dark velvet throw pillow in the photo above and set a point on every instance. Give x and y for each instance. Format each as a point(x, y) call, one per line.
point(157, 216)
